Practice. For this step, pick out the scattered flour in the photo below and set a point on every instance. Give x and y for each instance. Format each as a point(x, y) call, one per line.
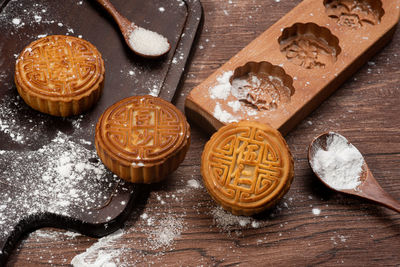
point(16, 21)
point(166, 232)
point(316, 211)
point(226, 220)
point(159, 227)
point(235, 105)
point(223, 88)
point(340, 165)
point(101, 253)
point(193, 183)
point(18, 15)
point(342, 239)
point(12, 112)
point(224, 115)
point(53, 234)
point(65, 178)
point(37, 18)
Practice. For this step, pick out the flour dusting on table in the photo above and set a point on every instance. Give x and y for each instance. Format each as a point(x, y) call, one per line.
point(158, 227)
point(65, 178)
point(97, 255)
point(226, 220)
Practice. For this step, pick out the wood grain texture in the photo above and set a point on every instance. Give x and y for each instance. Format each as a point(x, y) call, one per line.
point(306, 45)
point(21, 22)
point(348, 231)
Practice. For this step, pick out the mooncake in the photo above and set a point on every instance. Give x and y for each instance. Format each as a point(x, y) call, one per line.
point(142, 139)
point(60, 75)
point(247, 167)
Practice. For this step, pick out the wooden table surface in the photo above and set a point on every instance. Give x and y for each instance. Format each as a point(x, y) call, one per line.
point(180, 225)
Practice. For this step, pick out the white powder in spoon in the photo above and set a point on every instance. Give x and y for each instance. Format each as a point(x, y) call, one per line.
point(340, 164)
point(148, 42)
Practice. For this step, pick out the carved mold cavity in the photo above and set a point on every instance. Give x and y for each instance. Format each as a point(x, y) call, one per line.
point(262, 85)
point(309, 45)
point(355, 13)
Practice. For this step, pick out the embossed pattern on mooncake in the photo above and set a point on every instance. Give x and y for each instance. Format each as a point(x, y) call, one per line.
point(60, 75)
point(59, 66)
point(247, 167)
point(142, 132)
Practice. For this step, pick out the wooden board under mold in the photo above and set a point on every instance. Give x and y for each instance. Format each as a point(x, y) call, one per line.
point(319, 44)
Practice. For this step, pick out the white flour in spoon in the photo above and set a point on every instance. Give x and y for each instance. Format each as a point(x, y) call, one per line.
point(340, 165)
point(148, 42)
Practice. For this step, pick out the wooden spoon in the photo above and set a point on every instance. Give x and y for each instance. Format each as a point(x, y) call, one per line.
point(137, 38)
point(369, 187)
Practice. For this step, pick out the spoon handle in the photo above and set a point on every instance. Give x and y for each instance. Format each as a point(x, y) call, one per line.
point(121, 20)
point(373, 191)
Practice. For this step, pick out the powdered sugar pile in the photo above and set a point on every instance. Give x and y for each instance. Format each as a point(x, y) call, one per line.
point(147, 42)
point(340, 164)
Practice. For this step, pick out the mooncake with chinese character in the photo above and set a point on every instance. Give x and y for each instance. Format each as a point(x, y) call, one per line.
point(142, 139)
point(247, 167)
point(60, 75)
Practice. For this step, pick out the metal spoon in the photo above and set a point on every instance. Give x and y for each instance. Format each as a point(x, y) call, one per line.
point(132, 34)
point(369, 187)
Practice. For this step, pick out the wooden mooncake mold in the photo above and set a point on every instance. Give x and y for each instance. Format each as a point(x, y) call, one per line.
point(261, 85)
point(315, 47)
point(247, 167)
point(60, 75)
point(309, 45)
point(355, 14)
point(142, 139)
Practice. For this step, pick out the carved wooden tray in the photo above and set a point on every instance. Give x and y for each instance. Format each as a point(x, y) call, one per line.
point(50, 174)
point(285, 73)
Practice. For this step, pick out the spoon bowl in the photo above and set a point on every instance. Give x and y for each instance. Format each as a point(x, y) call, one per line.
point(368, 187)
point(133, 35)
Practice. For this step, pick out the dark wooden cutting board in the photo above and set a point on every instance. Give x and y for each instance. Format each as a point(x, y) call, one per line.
point(49, 171)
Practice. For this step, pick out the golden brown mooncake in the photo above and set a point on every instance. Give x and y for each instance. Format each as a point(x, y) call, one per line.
point(247, 167)
point(142, 139)
point(60, 75)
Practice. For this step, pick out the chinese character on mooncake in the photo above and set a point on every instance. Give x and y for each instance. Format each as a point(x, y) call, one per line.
point(60, 75)
point(142, 139)
point(247, 167)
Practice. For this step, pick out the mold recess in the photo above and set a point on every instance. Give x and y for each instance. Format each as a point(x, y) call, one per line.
point(355, 13)
point(309, 45)
point(261, 85)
